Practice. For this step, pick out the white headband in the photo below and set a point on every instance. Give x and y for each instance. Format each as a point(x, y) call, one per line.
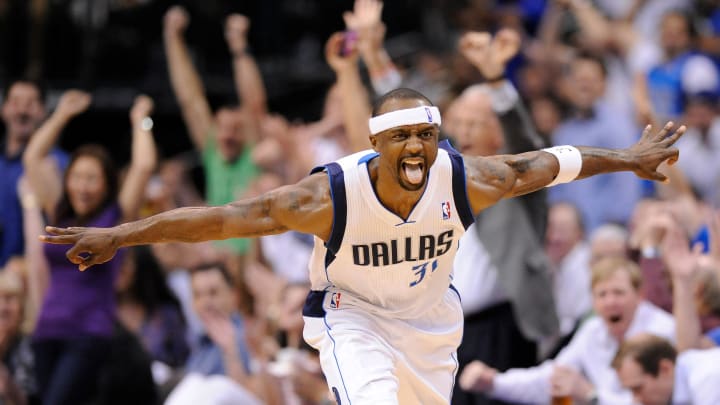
point(408, 116)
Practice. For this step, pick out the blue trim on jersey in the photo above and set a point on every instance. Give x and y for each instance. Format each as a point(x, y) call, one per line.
point(314, 304)
point(337, 363)
point(452, 287)
point(367, 158)
point(339, 200)
point(336, 176)
point(462, 203)
point(455, 371)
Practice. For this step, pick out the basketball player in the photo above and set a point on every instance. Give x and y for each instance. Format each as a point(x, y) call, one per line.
point(382, 310)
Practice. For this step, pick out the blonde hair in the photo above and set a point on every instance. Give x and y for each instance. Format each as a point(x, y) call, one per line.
point(709, 291)
point(606, 267)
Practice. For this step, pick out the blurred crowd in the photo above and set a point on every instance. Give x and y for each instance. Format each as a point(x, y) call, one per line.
point(629, 268)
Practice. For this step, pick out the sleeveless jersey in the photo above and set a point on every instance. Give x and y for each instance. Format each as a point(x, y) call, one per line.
point(380, 262)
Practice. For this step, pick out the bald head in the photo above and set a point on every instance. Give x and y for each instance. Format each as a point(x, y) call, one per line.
point(472, 123)
point(398, 99)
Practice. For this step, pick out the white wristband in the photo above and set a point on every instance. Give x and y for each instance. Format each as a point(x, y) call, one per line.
point(570, 162)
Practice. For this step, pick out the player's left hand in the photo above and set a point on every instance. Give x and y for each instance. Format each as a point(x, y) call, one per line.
point(652, 150)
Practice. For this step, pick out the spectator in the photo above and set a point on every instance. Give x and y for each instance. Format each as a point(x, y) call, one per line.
point(650, 367)
point(608, 198)
point(702, 142)
point(609, 240)
point(75, 324)
point(583, 369)
point(149, 309)
point(23, 110)
point(507, 299)
point(225, 139)
point(683, 71)
point(569, 254)
point(695, 288)
point(222, 350)
point(17, 375)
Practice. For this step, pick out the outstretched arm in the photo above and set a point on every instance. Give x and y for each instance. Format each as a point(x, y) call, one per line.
point(493, 178)
point(305, 207)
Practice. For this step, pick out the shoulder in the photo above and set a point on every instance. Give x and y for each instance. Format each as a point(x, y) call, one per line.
point(657, 319)
point(591, 327)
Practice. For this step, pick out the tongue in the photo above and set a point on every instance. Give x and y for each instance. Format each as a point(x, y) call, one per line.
point(413, 173)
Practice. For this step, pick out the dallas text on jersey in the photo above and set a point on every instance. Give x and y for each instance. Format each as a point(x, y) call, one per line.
point(409, 249)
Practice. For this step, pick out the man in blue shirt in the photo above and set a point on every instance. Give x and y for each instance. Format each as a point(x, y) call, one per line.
point(222, 349)
point(600, 199)
point(22, 112)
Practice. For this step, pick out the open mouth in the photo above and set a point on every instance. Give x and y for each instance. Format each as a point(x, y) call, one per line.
point(413, 169)
point(615, 318)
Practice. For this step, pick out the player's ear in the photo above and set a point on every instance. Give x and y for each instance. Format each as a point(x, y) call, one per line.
point(373, 141)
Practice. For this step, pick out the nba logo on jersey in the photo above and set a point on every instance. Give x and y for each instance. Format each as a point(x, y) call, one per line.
point(335, 300)
point(445, 209)
point(429, 114)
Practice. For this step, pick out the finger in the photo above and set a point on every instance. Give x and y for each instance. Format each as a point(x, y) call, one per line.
point(333, 44)
point(657, 176)
point(63, 231)
point(507, 43)
point(646, 132)
point(59, 240)
point(474, 39)
point(664, 131)
point(675, 135)
point(674, 156)
point(78, 254)
point(92, 259)
point(349, 19)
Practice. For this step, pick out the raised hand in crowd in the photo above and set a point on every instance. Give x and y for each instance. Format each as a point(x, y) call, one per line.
point(72, 103)
point(248, 80)
point(144, 157)
point(365, 25)
point(353, 95)
point(236, 30)
point(490, 55)
point(46, 180)
point(365, 22)
point(687, 271)
point(185, 80)
point(176, 21)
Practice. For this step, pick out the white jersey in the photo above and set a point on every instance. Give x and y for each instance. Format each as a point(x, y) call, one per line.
point(380, 262)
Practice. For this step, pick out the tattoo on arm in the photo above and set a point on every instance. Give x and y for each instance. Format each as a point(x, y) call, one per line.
point(294, 204)
point(523, 164)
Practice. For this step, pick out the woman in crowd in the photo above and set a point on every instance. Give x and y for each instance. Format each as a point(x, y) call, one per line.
point(71, 341)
